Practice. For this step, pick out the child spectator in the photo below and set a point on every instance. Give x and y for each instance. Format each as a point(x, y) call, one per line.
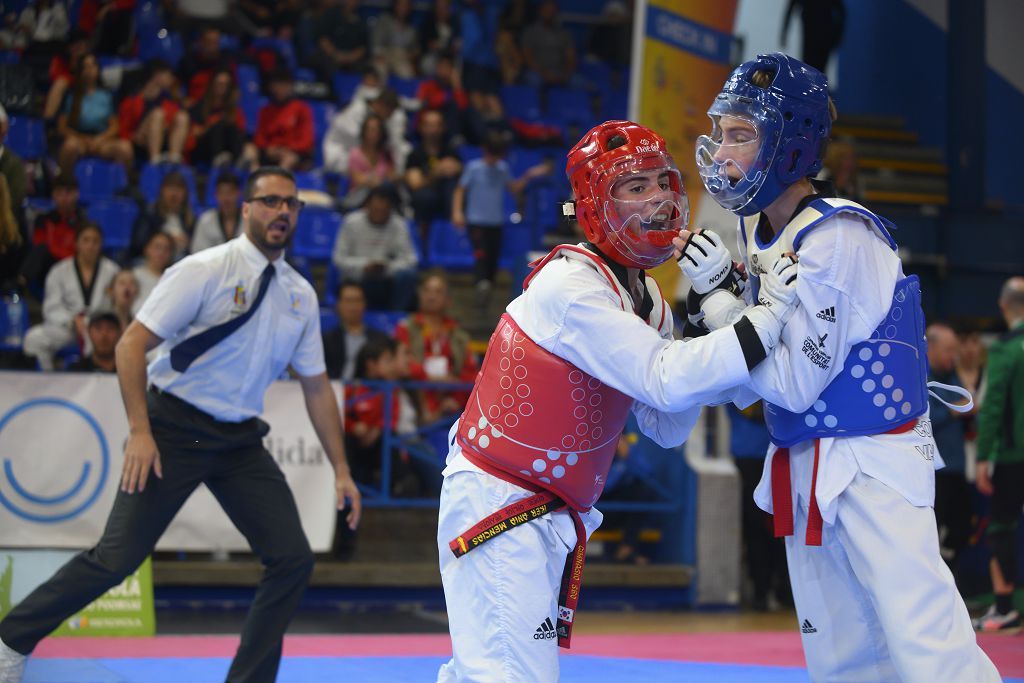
point(123, 294)
point(364, 410)
point(152, 119)
point(284, 133)
point(479, 206)
point(170, 213)
point(220, 224)
point(104, 332)
point(75, 287)
point(88, 123)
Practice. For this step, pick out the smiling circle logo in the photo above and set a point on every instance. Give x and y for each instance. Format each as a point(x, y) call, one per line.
point(54, 460)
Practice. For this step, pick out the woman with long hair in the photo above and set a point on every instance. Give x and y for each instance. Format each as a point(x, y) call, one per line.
point(88, 122)
point(171, 213)
point(218, 136)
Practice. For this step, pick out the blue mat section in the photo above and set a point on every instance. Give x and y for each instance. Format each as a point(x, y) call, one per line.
point(575, 669)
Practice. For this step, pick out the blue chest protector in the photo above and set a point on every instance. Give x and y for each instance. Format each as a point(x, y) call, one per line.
point(883, 383)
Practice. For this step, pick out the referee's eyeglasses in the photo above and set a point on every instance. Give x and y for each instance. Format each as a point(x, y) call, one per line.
point(274, 201)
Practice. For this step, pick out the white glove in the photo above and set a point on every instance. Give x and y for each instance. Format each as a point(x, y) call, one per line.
point(778, 288)
point(776, 301)
point(705, 260)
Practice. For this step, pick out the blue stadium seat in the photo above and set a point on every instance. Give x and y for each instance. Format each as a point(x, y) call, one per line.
point(521, 102)
point(570, 107)
point(323, 112)
point(417, 242)
point(153, 174)
point(405, 87)
point(469, 152)
point(344, 85)
point(148, 18)
point(27, 137)
point(315, 234)
point(251, 108)
point(384, 321)
point(116, 217)
point(161, 45)
point(283, 48)
point(99, 179)
point(449, 248)
point(309, 180)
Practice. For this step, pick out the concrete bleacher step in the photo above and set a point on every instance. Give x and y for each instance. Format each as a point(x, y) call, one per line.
point(909, 159)
point(420, 574)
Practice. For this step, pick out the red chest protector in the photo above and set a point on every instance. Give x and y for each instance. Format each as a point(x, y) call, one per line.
point(535, 419)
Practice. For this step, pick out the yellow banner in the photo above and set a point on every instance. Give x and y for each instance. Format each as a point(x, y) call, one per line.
point(681, 59)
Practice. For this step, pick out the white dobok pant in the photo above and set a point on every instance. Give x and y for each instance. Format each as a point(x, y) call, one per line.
point(502, 596)
point(875, 601)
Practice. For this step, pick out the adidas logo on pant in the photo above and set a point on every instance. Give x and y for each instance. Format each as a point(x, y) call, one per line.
point(806, 627)
point(828, 315)
point(545, 631)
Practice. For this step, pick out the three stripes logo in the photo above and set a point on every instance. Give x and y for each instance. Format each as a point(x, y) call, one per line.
point(828, 314)
point(545, 631)
point(806, 627)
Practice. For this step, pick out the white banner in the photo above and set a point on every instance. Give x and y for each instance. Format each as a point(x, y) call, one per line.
point(61, 441)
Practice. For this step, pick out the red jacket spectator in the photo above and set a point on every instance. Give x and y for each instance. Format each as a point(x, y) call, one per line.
point(364, 405)
point(435, 95)
point(286, 124)
point(134, 108)
point(57, 233)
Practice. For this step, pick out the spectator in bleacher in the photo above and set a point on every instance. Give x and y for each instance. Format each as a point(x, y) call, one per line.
point(970, 371)
point(54, 233)
point(517, 16)
point(346, 127)
point(217, 134)
point(342, 344)
point(12, 242)
point(108, 21)
point(548, 50)
point(60, 71)
point(478, 205)
point(75, 287)
point(481, 75)
point(152, 119)
point(840, 167)
point(12, 167)
point(104, 331)
point(276, 18)
point(439, 34)
point(370, 164)
point(444, 93)
point(611, 38)
point(205, 59)
point(44, 22)
point(438, 349)
point(394, 43)
point(431, 172)
point(765, 555)
point(157, 255)
point(341, 37)
point(170, 213)
point(952, 492)
point(220, 223)
point(374, 248)
point(88, 121)
point(284, 131)
point(123, 294)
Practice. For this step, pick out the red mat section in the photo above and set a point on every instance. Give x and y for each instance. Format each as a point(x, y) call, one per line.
point(774, 648)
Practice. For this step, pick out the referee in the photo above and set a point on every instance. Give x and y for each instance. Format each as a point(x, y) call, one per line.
point(227, 322)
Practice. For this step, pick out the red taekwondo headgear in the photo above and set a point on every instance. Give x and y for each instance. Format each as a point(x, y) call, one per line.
point(630, 199)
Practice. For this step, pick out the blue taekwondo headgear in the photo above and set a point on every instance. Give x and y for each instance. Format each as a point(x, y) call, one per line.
point(792, 124)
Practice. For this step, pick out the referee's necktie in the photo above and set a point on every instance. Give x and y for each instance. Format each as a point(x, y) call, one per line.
point(185, 353)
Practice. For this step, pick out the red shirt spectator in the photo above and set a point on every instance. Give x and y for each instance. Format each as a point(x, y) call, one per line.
point(286, 124)
point(134, 108)
point(365, 405)
point(57, 233)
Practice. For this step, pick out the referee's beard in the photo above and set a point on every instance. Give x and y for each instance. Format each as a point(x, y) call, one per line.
point(272, 236)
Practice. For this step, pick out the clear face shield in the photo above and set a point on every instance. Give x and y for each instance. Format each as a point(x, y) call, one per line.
point(735, 159)
point(645, 208)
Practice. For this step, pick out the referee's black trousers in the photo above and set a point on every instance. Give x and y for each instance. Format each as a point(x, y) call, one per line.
point(231, 460)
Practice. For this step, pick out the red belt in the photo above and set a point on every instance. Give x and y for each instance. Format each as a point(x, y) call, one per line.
point(521, 512)
point(782, 492)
